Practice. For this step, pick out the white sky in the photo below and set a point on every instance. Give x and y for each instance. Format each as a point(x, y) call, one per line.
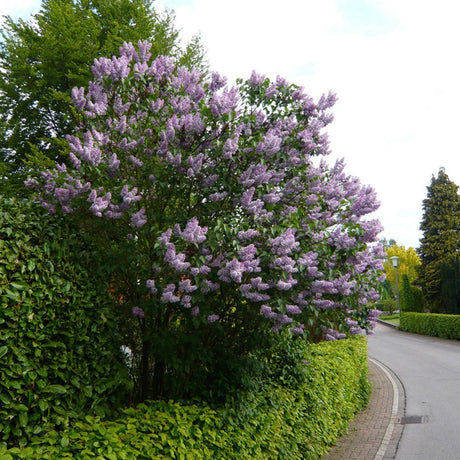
point(394, 65)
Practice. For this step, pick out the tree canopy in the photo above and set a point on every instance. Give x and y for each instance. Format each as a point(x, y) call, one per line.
point(408, 263)
point(440, 244)
point(43, 58)
point(217, 215)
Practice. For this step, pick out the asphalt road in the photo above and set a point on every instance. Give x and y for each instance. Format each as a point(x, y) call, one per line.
point(429, 369)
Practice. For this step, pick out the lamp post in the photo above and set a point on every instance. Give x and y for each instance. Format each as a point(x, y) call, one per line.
point(395, 262)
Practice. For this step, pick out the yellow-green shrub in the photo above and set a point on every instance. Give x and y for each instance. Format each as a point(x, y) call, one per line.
point(433, 324)
point(281, 420)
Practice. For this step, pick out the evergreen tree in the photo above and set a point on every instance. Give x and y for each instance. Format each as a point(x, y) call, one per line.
point(441, 240)
point(450, 284)
point(42, 59)
point(408, 299)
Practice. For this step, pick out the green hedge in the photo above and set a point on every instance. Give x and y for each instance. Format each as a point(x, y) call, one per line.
point(433, 324)
point(58, 357)
point(281, 421)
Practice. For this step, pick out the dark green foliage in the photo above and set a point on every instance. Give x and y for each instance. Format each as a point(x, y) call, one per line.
point(450, 284)
point(419, 299)
point(386, 290)
point(299, 420)
point(59, 358)
point(440, 243)
point(42, 59)
point(411, 296)
point(433, 324)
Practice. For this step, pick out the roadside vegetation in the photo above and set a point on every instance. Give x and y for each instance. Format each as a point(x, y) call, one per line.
point(181, 271)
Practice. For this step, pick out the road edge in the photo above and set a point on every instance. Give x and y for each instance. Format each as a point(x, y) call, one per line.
point(393, 433)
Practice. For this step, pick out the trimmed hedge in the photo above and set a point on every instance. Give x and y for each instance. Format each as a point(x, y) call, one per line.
point(433, 324)
point(59, 359)
point(281, 421)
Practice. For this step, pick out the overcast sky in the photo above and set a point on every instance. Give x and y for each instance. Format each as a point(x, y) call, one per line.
point(394, 65)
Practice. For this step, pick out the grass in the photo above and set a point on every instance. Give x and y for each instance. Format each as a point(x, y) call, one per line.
point(393, 319)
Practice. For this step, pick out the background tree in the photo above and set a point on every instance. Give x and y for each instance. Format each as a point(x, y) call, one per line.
point(440, 243)
point(411, 296)
point(408, 263)
point(216, 216)
point(42, 59)
point(450, 284)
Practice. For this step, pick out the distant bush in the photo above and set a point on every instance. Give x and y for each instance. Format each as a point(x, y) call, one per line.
point(433, 324)
point(389, 305)
point(58, 356)
point(287, 418)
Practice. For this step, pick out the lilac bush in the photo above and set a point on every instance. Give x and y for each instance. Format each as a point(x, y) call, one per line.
point(223, 198)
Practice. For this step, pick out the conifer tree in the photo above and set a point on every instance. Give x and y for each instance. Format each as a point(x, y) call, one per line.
point(440, 242)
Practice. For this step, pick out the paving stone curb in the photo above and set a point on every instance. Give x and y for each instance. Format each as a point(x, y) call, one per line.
point(375, 432)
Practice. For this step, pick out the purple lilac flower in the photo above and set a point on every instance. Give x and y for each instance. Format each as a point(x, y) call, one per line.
point(285, 243)
point(258, 284)
point(213, 318)
point(247, 253)
point(78, 98)
point(165, 237)
point(332, 334)
point(233, 271)
point(151, 285)
point(168, 294)
point(323, 303)
point(195, 311)
point(139, 218)
point(209, 286)
point(218, 196)
point(265, 310)
point(176, 261)
point(185, 301)
point(99, 203)
point(186, 286)
point(323, 287)
point(351, 322)
point(283, 285)
point(193, 233)
point(245, 235)
point(285, 263)
point(130, 196)
point(138, 312)
point(299, 329)
point(293, 310)
point(230, 147)
point(256, 79)
point(270, 144)
point(225, 102)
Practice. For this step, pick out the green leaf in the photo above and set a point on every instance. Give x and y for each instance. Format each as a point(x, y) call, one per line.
point(6, 457)
point(64, 441)
point(3, 351)
point(19, 286)
point(23, 419)
point(12, 295)
point(43, 404)
point(59, 389)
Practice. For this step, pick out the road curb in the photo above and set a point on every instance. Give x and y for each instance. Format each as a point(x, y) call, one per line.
point(381, 321)
point(375, 432)
point(394, 414)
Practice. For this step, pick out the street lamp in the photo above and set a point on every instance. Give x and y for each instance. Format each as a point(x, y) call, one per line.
point(395, 262)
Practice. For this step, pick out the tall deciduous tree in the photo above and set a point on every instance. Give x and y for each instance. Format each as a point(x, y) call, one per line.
point(42, 59)
point(440, 243)
point(408, 263)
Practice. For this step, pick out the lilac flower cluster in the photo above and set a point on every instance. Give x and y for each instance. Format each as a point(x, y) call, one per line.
point(222, 187)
